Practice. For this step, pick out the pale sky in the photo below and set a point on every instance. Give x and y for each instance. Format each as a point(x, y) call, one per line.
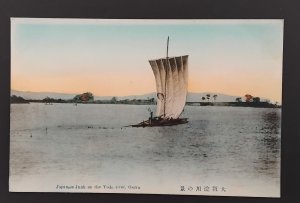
point(110, 57)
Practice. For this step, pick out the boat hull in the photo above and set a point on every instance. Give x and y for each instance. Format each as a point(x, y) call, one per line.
point(161, 122)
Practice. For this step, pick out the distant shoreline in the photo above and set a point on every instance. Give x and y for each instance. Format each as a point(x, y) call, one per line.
point(88, 98)
point(235, 104)
point(231, 104)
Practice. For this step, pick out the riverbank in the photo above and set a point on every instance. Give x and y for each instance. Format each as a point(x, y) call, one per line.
point(146, 102)
point(235, 104)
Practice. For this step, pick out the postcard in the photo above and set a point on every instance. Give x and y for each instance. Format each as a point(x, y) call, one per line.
point(183, 107)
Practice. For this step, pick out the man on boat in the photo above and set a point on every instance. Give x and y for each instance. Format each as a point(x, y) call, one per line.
point(151, 117)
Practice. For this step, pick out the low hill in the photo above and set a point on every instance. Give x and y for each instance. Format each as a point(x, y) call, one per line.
point(191, 97)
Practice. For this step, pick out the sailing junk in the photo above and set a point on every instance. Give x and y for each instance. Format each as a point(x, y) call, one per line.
point(171, 75)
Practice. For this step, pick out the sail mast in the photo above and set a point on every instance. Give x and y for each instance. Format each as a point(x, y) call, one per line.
point(168, 47)
point(165, 98)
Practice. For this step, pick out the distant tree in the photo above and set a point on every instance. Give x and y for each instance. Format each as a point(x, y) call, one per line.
point(203, 98)
point(256, 99)
point(76, 98)
point(87, 96)
point(16, 99)
point(248, 98)
point(48, 100)
point(208, 96)
point(60, 101)
point(84, 97)
point(215, 97)
point(238, 99)
point(114, 100)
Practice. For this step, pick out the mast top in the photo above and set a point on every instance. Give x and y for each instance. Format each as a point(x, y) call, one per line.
point(168, 47)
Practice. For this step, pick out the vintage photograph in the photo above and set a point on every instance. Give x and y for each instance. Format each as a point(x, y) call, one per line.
point(183, 107)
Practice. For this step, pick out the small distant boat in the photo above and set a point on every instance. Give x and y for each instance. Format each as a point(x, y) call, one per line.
point(171, 76)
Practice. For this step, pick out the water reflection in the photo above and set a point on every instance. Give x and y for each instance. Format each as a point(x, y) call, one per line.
point(268, 144)
point(271, 122)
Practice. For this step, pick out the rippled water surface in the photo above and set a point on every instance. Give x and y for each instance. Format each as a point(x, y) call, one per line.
point(233, 148)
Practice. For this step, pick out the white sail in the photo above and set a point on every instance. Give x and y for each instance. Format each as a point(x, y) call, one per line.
point(160, 85)
point(171, 76)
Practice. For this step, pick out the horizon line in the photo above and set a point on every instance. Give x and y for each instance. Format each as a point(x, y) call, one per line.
point(207, 92)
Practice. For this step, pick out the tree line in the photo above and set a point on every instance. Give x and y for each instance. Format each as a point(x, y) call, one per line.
point(86, 97)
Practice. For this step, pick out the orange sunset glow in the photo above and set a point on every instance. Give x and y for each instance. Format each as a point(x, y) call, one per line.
point(233, 58)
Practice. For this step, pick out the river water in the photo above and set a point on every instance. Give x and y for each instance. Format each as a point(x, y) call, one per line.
point(226, 151)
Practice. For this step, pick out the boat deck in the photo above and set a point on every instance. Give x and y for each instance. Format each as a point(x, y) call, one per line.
point(156, 121)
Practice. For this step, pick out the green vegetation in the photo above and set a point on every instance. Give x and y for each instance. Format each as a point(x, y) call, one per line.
point(250, 101)
point(88, 98)
point(84, 98)
point(17, 100)
point(215, 97)
point(208, 97)
point(114, 100)
point(249, 98)
point(235, 104)
point(238, 99)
